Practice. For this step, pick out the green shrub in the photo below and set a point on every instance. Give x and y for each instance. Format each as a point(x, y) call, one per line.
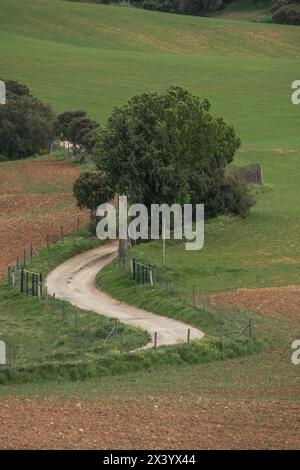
point(26, 124)
point(286, 12)
point(288, 15)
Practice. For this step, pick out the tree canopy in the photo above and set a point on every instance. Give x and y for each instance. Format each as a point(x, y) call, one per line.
point(26, 124)
point(286, 11)
point(167, 148)
point(92, 189)
point(75, 127)
point(184, 7)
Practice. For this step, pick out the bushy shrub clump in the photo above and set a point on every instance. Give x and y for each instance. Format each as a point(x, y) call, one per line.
point(286, 12)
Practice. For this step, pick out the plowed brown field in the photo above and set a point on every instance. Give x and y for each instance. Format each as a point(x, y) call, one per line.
point(211, 424)
point(35, 199)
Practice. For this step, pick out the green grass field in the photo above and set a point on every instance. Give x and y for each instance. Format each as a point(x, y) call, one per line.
point(52, 334)
point(261, 251)
point(95, 57)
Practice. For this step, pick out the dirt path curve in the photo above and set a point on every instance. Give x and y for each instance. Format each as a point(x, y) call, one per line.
point(74, 281)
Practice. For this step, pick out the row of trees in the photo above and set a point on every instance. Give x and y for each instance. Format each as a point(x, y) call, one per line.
point(184, 7)
point(28, 127)
point(283, 11)
point(286, 11)
point(26, 124)
point(157, 148)
point(165, 148)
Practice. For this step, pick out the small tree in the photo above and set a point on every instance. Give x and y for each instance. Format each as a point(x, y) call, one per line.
point(80, 130)
point(90, 190)
point(75, 127)
point(26, 124)
point(63, 121)
point(168, 148)
point(286, 11)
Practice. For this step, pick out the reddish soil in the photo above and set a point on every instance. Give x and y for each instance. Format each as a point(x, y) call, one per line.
point(281, 301)
point(207, 424)
point(36, 199)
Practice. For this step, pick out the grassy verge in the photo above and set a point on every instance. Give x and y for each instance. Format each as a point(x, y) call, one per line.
point(49, 338)
point(260, 251)
point(156, 299)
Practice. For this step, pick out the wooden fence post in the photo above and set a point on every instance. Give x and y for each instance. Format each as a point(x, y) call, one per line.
point(151, 280)
point(40, 286)
point(222, 334)
point(155, 339)
point(250, 328)
point(188, 338)
point(76, 318)
point(84, 348)
point(63, 311)
point(10, 358)
point(22, 281)
point(14, 351)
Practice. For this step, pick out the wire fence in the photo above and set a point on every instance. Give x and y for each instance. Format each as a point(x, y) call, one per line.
point(85, 336)
point(232, 321)
point(72, 336)
point(250, 174)
point(25, 257)
point(141, 273)
point(75, 150)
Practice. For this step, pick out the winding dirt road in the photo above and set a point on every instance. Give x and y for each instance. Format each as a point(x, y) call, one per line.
point(74, 281)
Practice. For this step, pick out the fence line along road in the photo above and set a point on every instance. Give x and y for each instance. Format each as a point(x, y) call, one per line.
point(74, 281)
